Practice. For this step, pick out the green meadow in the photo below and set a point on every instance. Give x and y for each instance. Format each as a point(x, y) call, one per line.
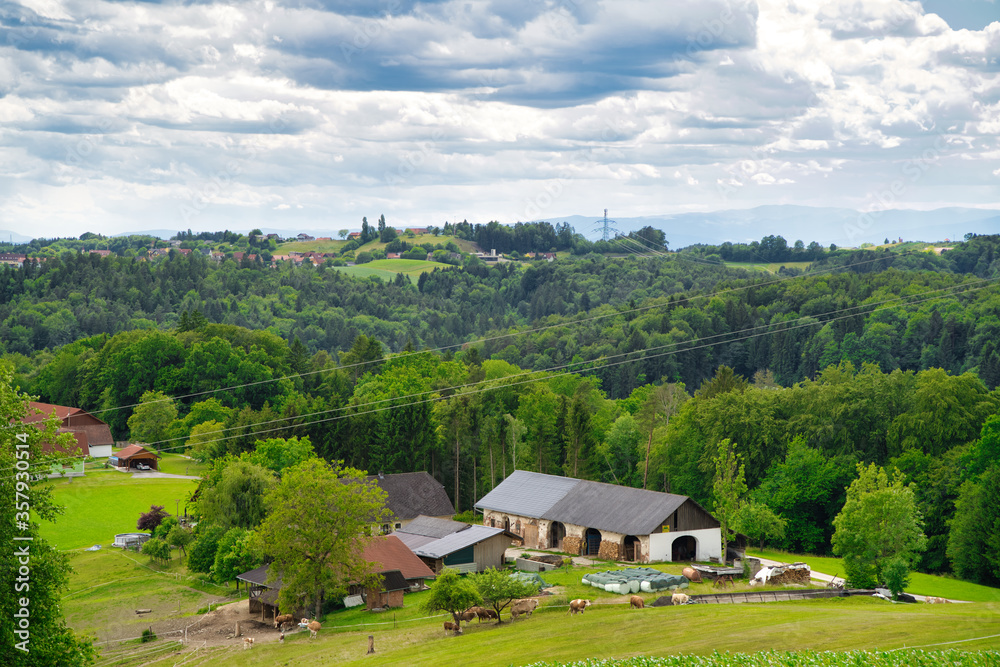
point(106, 502)
point(386, 269)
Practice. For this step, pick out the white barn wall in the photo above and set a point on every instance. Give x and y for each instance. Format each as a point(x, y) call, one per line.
point(708, 540)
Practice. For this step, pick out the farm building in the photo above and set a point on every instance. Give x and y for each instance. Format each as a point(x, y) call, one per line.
point(412, 494)
point(133, 456)
point(461, 546)
point(93, 436)
point(263, 596)
point(400, 568)
point(603, 520)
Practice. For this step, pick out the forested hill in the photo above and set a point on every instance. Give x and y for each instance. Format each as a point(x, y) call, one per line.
point(643, 365)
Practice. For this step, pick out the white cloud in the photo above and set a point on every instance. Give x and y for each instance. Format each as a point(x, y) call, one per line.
point(121, 112)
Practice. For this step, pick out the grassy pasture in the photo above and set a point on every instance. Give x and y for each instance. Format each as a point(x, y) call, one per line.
point(107, 586)
point(609, 631)
point(920, 583)
point(386, 269)
point(771, 267)
point(106, 502)
point(176, 464)
point(309, 246)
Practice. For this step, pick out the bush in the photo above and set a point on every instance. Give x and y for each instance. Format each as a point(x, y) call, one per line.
point(165, 527)
point(157, 550)
point(151, 519)
point(148, 636)
point(896, 576)
point(363, 258)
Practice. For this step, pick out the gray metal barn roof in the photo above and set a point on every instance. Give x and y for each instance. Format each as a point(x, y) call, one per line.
point(527, 493)
point(433, 527)
point(413, 542)
point(620, 509)
point(457, 541)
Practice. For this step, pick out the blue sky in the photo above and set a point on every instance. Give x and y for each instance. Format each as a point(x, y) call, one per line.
point(309, 114)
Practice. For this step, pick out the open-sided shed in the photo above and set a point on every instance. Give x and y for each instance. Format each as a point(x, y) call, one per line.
point(130, 457)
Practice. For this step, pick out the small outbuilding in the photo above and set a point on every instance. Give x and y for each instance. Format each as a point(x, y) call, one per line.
point(464, 547)
point(603, 520)
point(134, 457)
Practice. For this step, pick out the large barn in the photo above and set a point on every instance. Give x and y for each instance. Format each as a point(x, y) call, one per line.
point(92, 435)
point(603, 520)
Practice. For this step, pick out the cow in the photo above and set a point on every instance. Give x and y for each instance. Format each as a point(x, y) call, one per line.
point(489, 614)
point(693, 575)
point(635, 602)
point(679, 598)
point(281, 620)
point(450, 627)
point(525, 606)
point(577, 606)
point(247, 642)
point(937, 601)
point(467, 616)
point(314, 627)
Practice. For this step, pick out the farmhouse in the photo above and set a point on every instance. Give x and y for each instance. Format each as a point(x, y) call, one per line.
point(411, 494)
point(461, 546)
point(133, 456)
point(603, 520)
point(92, 435)
point(400, 568)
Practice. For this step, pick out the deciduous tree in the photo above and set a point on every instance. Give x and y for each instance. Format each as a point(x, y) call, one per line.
point(453, 594)
point(498, 589)
point(728, 489)
point(319, 520)
point(878, 523)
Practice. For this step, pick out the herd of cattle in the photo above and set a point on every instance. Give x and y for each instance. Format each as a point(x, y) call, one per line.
point(528, 605)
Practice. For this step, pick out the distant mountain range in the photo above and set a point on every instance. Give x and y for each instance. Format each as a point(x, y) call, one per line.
point(843, 226)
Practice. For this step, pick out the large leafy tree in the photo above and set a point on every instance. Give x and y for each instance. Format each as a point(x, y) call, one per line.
point(498, 589)
point(37, 635)
point(453, 594)
point(319, 519)
point(152, 417)
point(975, 529)
point(878, 524)
point(237, 498)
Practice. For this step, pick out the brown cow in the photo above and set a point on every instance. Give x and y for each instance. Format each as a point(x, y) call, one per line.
point(577, 606)
point(284, 618)
point(449, 626)
point(314, 627)
point(480, 613)
point(693, 575)
point(490, 614)
point(525, 606)
point(635, 602)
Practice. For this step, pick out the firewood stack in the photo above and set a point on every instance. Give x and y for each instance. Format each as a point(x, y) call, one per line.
point(796, 573)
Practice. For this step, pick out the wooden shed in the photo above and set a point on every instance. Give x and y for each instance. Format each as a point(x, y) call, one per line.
point(461, 546)
point(133, 455)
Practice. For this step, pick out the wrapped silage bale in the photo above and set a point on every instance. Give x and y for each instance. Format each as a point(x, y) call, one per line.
point(633, 586)
point(611, 588)
point(646, 586)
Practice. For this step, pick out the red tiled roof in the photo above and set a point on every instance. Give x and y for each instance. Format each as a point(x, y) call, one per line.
point(132, 450)
point(62, 412)
point(391, 554)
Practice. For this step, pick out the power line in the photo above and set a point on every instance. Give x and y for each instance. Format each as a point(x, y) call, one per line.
point(588, 366)
point(522, 332)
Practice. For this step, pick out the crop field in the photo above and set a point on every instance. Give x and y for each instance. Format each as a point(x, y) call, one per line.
point(106, 502)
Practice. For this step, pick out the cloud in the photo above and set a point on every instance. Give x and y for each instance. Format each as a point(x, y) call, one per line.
point(320, 112)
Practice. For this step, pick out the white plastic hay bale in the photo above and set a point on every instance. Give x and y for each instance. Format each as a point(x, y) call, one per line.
point(645, 587)
point(633, 586)
point(611, 588)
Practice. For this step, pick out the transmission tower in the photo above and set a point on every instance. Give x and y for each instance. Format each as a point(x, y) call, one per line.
point(605, 227)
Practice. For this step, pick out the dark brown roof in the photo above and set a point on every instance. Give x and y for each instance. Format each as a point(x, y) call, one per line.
point(134, 450)
point(391, 554)
point(393, 580)
point(411, 494)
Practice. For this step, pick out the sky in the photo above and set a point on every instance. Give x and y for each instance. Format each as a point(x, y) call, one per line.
point(309, 114)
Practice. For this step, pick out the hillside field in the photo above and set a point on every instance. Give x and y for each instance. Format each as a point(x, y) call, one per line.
point(106, 502)
point(386, 269)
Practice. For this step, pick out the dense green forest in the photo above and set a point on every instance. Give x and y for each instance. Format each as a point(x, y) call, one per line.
point(629, 370)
